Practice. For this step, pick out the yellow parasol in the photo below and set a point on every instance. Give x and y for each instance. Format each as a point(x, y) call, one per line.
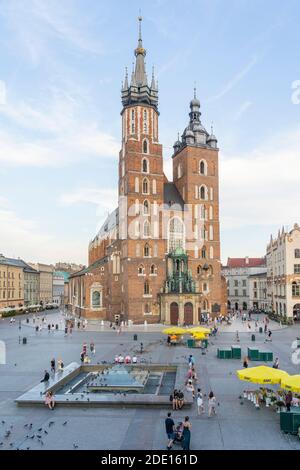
point(262, 375)
point(292, 382)
point(175, 330)
point(199, 336)
point(199, 329)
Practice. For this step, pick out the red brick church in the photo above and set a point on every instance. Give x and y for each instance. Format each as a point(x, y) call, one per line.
point(157, 256)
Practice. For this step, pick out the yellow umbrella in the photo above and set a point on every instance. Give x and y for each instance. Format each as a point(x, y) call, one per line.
point(174, 331)
point(199, 335)
point(199, 329)
point(262, 375)
point(292, 383)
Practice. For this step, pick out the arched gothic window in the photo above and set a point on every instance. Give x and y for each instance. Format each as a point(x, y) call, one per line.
point(203, 167)
point(146, 208)
point(145, 167)
point(146, 288)
point(147, 229)
point(145, 146)
point(145, 128)
point(145, 186)
point(146, 250)
point(176, 234)
point(203, 193)
point(96, 299)
point(153, 269)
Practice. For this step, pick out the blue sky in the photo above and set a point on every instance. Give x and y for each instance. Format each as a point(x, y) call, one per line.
point(61, 66)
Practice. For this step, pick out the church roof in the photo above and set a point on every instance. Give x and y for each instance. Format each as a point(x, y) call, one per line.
point(172, 196)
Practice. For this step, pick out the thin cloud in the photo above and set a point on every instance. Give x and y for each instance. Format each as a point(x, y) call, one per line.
point(234, 81)
point(243, 109)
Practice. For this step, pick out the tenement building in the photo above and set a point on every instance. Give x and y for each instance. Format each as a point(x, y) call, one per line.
point(237, 273)
point(157, 256)
point(283, 273)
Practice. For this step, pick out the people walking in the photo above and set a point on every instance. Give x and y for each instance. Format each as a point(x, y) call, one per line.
point(186, 433)
point(211, 404)
point(170, 427)
point(288, 400)
point(52, 365)
point(200, 407)
point(276, 363)
point(46, 377)
point(245, 362)
point(92, 348)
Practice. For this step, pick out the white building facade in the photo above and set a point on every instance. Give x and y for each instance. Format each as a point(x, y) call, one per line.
point(237, 273)
point(258, 299)
point(283, 274)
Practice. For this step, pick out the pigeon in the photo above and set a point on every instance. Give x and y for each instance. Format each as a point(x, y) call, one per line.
point(3, 422)
point(65, 423)
point(38, 436)
point(1, 443)
point(51, 423)
point(11, 444)
point(7, 434)
point(27, 448)
point(45, 431)
point(39, 430)
point(32, 437)
point(75, 446)
point(26, 425)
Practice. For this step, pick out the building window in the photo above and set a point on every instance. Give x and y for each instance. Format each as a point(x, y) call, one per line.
point(203, 253)
point(203, 167)
point(145, 121)
point(136, 185)
point(145, 146)
point(176, 235)
point(203, 193)
point(146, 208)
point(132, 122)
point(141, 270)
point(145, 166)
point(153, 270)
point(146, 288)
point(295, 289)
point(199, 270)
point(146, 250)
point(296, 268)
point(146, 230)
point(297, 253)
point(145, 186)
point(96, 299)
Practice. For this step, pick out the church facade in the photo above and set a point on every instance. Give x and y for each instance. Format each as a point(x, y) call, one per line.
point(157, 256)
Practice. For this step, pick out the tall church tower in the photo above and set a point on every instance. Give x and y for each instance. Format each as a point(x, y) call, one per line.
point(196, 176)
point(141, 189)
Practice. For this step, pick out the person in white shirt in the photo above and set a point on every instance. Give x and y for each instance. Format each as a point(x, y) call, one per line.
point(211, 404)
point(200, 407)
point(134, 360)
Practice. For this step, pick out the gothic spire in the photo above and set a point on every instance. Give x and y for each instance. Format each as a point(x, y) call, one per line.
point(140, 54)
point(139, 91)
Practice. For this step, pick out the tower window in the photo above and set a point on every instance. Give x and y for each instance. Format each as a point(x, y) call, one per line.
point(203, 168)
point(145, 186)
point(153, 269)
point(146, 250)
point(145, 146)
point(179, 171)
point(145, 127)
point(203, 192)
point(145, 167)
point(146, 208)
point(146, 229)
point(146, 288)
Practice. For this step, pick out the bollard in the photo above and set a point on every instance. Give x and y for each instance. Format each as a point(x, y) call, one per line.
point(135, 337)
point(24, 340)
